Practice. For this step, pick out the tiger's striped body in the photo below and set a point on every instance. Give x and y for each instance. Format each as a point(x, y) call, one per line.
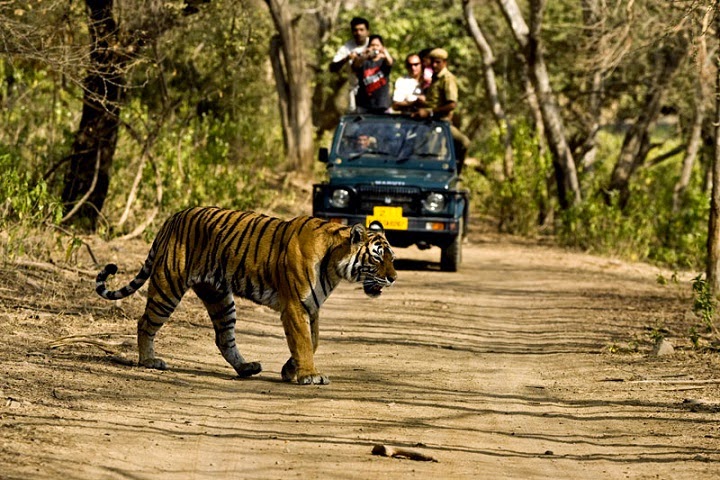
point(291, 266)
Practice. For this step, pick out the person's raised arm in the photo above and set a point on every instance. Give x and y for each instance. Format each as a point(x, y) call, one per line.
point(388, 58)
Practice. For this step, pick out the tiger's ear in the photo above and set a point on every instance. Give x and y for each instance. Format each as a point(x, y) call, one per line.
point(358, 234)
point(376, 226)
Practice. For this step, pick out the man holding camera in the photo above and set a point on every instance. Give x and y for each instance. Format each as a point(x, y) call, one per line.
point(351, 50)
point(373, 72)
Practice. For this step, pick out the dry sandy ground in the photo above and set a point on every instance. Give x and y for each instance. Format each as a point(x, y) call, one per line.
point(529, 363)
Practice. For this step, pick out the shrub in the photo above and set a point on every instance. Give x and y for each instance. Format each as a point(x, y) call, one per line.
point(521, 205)
point(27, 203)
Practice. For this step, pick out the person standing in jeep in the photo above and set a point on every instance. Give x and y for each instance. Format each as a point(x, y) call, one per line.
point(351, 50)
point(373, 72)
point(441, 99)
point(407, 88)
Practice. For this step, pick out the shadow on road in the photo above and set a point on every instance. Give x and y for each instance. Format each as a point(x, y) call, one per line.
point(409, 264)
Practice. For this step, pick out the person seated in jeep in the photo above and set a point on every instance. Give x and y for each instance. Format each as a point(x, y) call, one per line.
point(364, 142)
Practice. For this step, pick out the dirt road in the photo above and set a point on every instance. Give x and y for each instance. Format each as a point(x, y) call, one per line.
point(529, 363)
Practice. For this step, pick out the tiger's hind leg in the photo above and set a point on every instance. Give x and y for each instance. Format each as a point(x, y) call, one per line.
point(158, 309)
point(221, 307)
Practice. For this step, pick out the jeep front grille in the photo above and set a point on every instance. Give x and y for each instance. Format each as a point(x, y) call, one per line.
point(372, 195)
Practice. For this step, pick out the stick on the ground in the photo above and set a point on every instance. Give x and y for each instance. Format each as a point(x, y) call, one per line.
point(398, 452)
point(104, 345)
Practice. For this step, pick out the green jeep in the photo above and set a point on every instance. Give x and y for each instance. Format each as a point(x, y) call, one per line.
point(401, 172)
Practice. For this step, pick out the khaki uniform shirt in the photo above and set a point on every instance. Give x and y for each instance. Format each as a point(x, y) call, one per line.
point(442, 90)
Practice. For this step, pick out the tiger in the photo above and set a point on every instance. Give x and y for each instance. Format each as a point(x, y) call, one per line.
point(290, 266)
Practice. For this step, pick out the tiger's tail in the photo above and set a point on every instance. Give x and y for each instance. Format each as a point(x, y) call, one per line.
point(130, 288)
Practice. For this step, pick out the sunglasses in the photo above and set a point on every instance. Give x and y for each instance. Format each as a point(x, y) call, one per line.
point(413, 64)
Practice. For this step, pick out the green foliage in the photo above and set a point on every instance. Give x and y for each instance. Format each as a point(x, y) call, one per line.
point(646, 229)
point(211, 172)
point(662, 280)
point(656, 333)
point(596, 226)
point(221, 140)
point(36, 115)
point(519, 205)
point(26, 200)
point(27, 203)
point(704, 304)
point(199, 112)
point(523, 202)
point(209, 160)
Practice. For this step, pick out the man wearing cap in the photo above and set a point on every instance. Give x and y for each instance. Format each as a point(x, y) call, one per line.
point(441, 98)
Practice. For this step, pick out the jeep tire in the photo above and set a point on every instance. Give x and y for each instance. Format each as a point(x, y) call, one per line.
point(451, 255)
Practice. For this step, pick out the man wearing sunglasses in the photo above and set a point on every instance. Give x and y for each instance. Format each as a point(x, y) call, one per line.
point(407, 88)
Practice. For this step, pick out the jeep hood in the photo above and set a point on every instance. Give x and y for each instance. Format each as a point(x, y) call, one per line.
point(434, 179)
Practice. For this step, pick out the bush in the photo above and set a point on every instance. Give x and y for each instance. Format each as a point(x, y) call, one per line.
point(645, 230)
point(208, 160)
point(522, 205)
point(27, 204)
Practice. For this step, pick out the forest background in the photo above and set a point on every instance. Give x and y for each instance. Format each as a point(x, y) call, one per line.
point(591, 121)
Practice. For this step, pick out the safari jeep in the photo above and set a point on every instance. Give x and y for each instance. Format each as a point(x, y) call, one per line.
point(401, 172)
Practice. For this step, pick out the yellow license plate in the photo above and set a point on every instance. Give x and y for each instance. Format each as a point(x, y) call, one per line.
point(390, 217)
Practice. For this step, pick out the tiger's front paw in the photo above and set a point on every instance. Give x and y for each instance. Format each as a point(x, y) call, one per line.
point(289, 370)
point(154, 363)
point(248, 369)
point(313, 379)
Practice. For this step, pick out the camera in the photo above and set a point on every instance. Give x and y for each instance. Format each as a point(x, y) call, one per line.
point(374, 53)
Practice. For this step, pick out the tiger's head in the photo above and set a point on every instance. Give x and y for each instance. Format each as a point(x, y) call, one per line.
point(372, 261)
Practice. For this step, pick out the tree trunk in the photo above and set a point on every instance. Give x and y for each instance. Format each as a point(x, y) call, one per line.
point(534, 106)
point(591, 20)
point(636, 144)
point(691, 152)
point(328, 91)
point(530, 45)
point(96, 137)
point(491, 87)
point(282, 92)
point(294, 87)
point(702, 83)
point(713, 242)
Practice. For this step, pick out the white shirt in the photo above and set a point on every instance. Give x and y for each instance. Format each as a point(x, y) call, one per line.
point(405, 89)
point(350, 46)
point(342, 54)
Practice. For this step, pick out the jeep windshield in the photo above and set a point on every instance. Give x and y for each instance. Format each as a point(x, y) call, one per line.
point(401, 141)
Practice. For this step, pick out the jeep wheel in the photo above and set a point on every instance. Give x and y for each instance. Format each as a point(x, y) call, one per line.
point(451, 256)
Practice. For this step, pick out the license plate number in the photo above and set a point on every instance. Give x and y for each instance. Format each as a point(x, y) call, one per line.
point(390, 217)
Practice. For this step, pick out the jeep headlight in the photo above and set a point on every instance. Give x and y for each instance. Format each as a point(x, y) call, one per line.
point(340, 198)
point(434, 202)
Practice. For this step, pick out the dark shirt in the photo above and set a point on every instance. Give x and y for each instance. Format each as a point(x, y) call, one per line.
point(374, 92)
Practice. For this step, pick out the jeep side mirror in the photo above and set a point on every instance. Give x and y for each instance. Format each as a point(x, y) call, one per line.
point(323, 155)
